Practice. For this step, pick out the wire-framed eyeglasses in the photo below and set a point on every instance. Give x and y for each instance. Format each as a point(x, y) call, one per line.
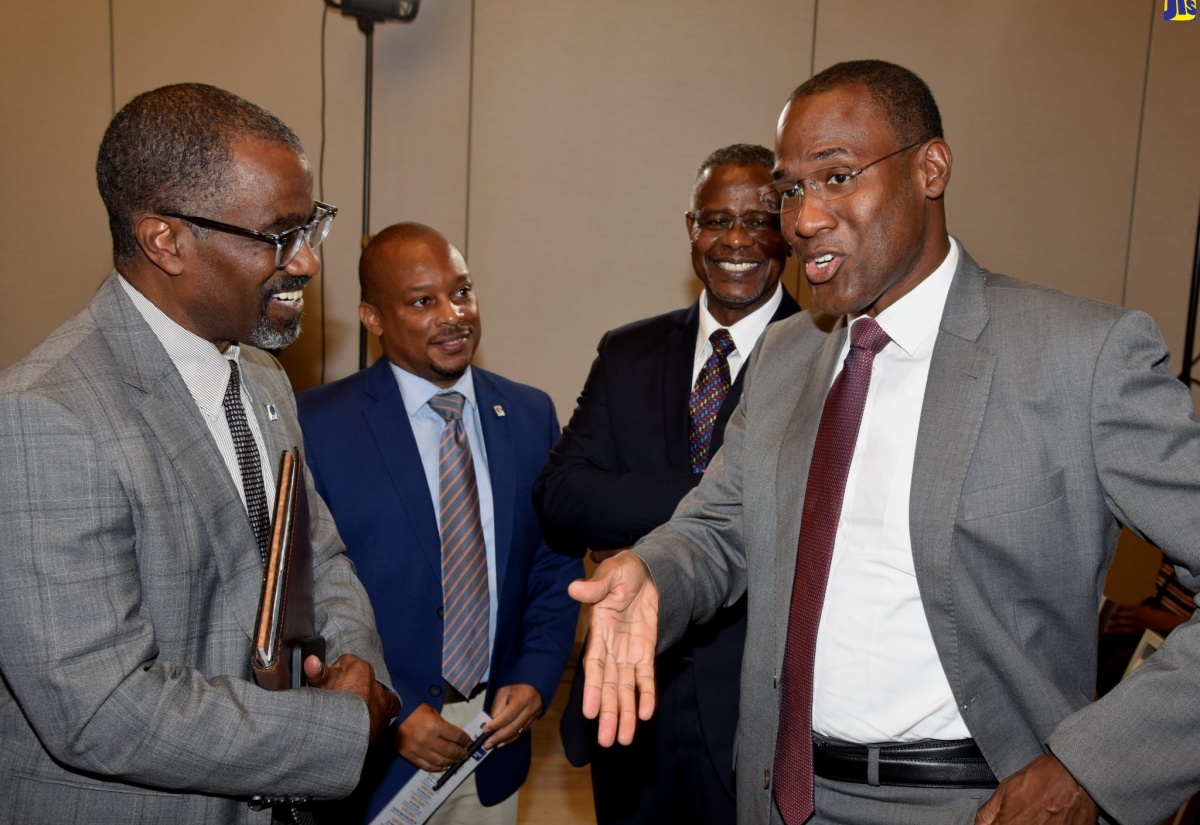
point(828, 184)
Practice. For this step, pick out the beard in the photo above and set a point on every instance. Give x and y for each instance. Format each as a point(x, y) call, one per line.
point(271, 335)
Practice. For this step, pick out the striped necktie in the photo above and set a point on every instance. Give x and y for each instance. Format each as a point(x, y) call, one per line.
point(464, 555)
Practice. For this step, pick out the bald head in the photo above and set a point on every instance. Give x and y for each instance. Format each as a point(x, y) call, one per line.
point(419, 299)
point(401, 246)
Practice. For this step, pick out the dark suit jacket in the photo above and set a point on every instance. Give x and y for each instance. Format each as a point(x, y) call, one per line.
point(1048, 421)
point(131, 579)
point(619, 470)
point(365, 462)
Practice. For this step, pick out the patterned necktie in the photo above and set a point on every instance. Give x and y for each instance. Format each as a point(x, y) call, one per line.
point(832, 452)
point(248, 461)
point(712, 385)
point(464, 555)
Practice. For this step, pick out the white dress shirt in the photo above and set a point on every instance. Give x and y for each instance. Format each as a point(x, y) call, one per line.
point(205, 371)
point(877, 676)
point(745, 334)
point(427, 425)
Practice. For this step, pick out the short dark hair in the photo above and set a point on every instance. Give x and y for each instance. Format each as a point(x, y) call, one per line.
point(169, 150)
point(737, 154)
point(905, 99)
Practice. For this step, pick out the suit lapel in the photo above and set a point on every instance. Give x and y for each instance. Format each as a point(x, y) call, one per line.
point(170, 412)
point(956, 396)
point(501, 460)
point(387, 419)
point(812, 379)
point(676, 382)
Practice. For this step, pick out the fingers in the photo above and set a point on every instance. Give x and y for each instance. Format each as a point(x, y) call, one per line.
point(429, 741)
point(515, 708)
point(315, 671)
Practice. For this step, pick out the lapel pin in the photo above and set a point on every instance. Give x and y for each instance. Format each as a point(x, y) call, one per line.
point(272, 413)
point(499, 410)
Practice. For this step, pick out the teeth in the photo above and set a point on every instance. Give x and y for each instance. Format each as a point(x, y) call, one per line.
point(739, 267)
point(824, 259)
point(290, 296)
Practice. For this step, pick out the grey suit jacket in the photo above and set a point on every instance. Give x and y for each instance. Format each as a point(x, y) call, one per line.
point(129, 582)
point(1048, 420)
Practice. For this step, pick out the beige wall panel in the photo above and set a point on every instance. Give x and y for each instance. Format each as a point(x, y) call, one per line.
point(1163, 237)
point(1041, 106)
point(587, 126)
point(420, 134)
point(54, 104)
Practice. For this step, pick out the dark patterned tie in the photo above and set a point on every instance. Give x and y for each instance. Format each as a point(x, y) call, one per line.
point(712, 385)
point(248, 461)
point(464, 555)
point(832, 452)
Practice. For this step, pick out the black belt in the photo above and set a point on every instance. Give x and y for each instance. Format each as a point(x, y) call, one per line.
point(928, 764)
point(452, 696)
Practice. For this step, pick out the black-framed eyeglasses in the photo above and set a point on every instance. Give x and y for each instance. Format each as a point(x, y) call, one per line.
point(828, 184)
point(287, 244)
point(718, 222)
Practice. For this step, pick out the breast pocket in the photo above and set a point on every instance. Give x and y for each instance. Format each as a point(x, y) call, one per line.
point(1014, 497)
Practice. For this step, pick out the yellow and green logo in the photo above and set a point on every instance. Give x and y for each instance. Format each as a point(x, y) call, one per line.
point(1176, 10)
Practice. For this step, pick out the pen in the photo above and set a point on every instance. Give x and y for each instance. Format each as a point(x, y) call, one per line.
point(475, 745)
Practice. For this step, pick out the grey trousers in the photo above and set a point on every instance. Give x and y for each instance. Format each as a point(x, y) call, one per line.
point(845, 803)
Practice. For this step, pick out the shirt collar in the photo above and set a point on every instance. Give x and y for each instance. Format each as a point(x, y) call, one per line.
point(746, 332)
point(203, 367)
point(910, 321)
point(417, 391)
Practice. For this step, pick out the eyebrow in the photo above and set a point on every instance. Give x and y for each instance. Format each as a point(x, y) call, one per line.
point(282, 223)
point(824, 154)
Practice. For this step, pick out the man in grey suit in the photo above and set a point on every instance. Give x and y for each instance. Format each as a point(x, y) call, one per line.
point(132, 569)
point(1007, 430)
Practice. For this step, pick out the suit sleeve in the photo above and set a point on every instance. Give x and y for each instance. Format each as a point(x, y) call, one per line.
point(548, 624)
point(587, 497)
point(78, 646)
point(1134, 750)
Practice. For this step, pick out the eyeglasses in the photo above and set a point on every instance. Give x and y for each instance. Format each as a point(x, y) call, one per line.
point(287, 244)
point(718, 223)
point(827, 184)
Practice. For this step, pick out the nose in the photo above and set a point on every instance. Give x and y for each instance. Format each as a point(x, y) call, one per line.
point(736, 236)
point(812, 215)
point(449, 314)
point(305, 263)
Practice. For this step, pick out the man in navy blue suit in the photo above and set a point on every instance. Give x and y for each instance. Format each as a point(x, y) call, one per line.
point(631, 452)
point(374, 441)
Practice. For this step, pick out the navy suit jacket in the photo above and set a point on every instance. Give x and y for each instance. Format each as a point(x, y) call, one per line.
point(619, 470)
point(364, 459)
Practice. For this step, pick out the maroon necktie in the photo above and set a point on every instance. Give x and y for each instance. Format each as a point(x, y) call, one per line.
point(834, 448)
point(712, 385)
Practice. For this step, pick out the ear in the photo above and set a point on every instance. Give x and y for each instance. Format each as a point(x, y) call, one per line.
point(159, 242)
point(369, 315)
point(691, 225)
point(935, 167)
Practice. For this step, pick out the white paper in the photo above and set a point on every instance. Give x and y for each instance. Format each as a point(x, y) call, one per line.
point(417, 800)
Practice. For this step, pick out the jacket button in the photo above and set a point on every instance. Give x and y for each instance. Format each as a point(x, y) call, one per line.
point(435, 690)
point(766, 780)
point(441, 611)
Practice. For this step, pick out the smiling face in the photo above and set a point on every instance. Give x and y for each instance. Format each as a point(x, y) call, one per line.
point(863, 252)
point(739, 265)
point(420, 301)
point(231, 290)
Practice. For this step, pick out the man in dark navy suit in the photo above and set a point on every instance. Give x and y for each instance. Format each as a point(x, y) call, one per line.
point(649, 418)
point(382, 445)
